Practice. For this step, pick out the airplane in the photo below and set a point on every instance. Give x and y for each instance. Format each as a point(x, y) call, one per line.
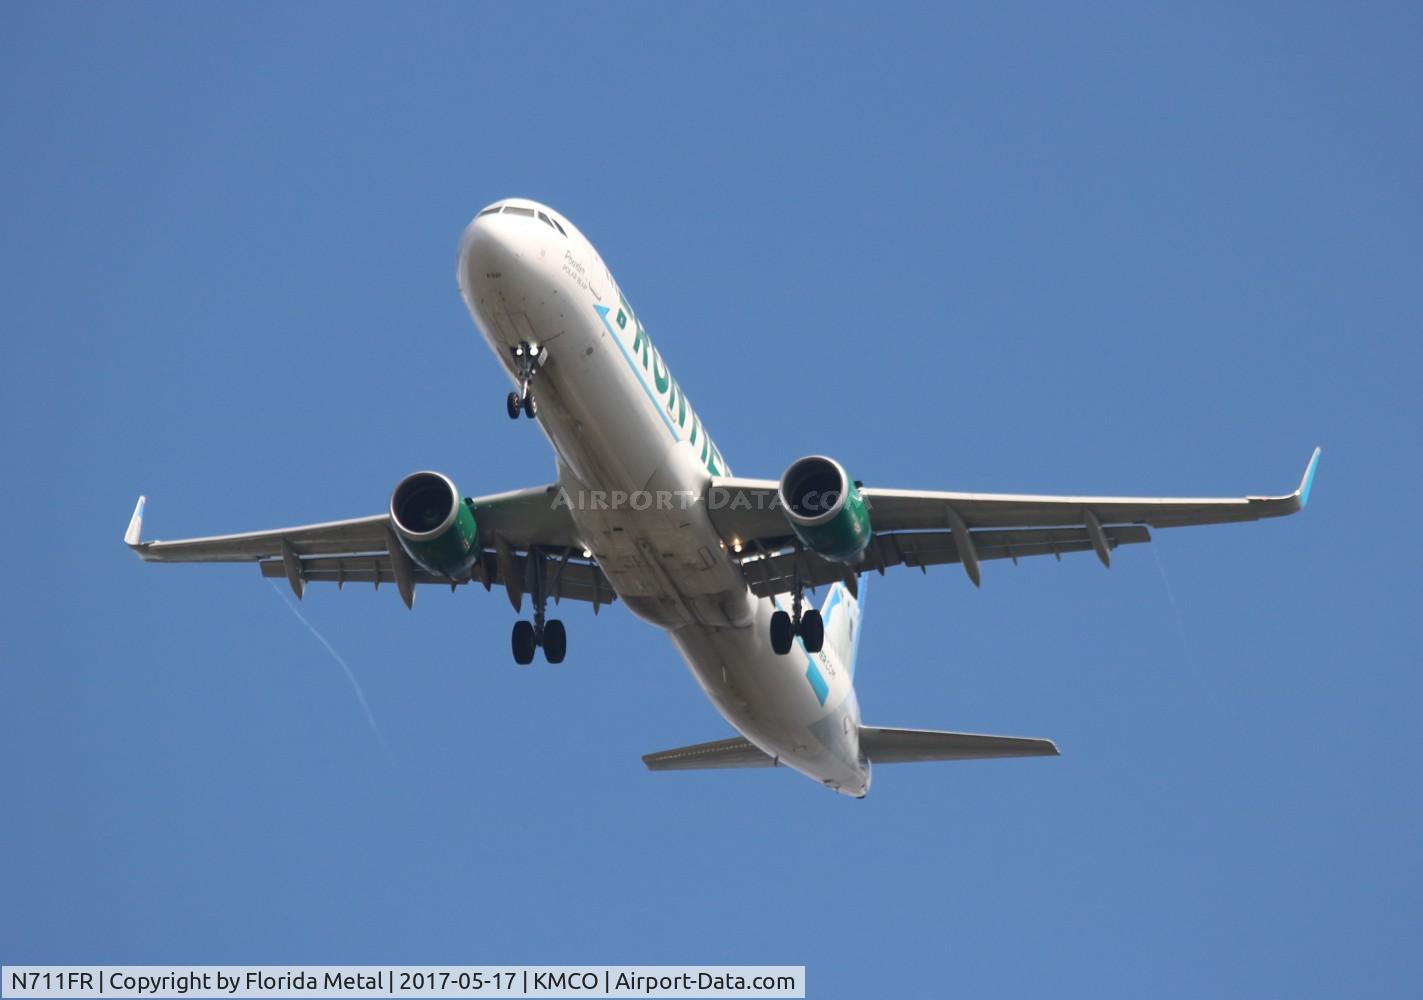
point(645, 510)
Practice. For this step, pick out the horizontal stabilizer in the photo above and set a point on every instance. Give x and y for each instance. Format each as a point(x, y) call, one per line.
point(736, 752)
point(903, 746)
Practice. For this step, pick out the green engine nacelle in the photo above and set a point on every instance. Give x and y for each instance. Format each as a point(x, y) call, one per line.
point(435, 526)
point(825, 508)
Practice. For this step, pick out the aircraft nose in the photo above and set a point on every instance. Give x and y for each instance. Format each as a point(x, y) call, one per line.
point(488, 248)
point(513, 243)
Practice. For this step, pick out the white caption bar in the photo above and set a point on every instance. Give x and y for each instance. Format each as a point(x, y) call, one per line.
point(375, 981)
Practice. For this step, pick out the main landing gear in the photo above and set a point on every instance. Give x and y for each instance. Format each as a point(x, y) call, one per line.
point(548, 633)
point(530, 635)
point(528, 359)
point(808, 625)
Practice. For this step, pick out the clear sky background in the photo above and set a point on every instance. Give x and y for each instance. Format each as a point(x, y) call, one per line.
point(1127, 249)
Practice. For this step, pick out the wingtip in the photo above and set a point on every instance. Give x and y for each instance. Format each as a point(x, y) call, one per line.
point(135, 524)
point(1307, 482)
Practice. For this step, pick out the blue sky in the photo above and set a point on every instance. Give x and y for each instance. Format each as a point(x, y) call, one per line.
point(1123, 249)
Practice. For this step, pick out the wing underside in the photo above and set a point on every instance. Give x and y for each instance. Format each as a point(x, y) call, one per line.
point(525, 536)
point(922, 529)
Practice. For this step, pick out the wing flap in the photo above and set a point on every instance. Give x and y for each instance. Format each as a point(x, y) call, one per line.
point(576, 580)
point(773, 573)
point(904, 746)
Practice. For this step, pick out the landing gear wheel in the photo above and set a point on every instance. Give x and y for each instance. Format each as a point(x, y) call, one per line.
point(528, 359)
point(812, 631)
point(555, 641)
point(782, 633)
point(524, 643)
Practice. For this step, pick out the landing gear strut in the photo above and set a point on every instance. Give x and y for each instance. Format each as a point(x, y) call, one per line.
point(806, 624)
point(528, 359)
point(546, 632)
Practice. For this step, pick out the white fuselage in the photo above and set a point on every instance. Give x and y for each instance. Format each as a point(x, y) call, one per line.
point(635, 464)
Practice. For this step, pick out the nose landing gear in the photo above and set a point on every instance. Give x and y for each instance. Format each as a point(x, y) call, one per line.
point(528, 359)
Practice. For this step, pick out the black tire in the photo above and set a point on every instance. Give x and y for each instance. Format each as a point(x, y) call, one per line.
point(512, 404)
point(555, 641)
point(531, 406)
point(782, 633)
point(812, 631)
point(523, 643)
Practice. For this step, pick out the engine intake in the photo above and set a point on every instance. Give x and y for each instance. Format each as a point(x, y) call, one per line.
point(826, 510)
point(434, 525)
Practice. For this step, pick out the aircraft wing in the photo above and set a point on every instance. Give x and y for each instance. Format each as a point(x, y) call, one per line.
point(914, 528)
point(516, 529)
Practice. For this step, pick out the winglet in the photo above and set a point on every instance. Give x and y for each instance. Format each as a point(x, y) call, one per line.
point(1307, 483)
point(135, 524)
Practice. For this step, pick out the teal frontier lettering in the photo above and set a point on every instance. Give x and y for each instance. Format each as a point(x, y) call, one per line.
point(679, 411)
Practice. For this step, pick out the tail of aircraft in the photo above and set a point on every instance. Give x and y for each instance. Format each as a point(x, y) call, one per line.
point(842, 612)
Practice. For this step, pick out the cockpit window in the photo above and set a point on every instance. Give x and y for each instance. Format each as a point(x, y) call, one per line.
point(527, 212)
point(550, 222)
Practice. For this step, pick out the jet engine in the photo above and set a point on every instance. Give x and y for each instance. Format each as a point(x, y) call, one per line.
point(434, 525)
point(826, 509)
